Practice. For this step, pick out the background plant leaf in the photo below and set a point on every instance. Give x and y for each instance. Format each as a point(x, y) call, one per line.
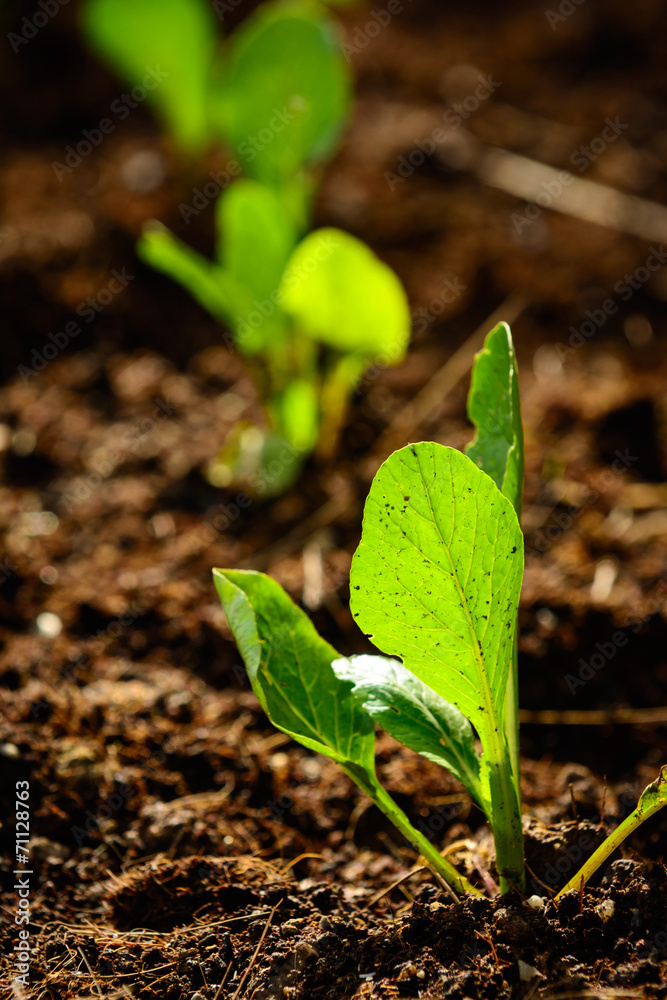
point(286, 91)
point(437, 575)
point(174, 37)
point(494, 408)
point(212, 286)
point(344, 296)
point(255, 237)
point(417, 717)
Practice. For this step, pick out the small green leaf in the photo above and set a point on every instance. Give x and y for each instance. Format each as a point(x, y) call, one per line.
point(255, 238)
point(495, 410)
point(286, 91)
point(417, 717)
point(344, 296)
point(289, 666)
point(165, 47)
point(298, 411)
point(209, 284)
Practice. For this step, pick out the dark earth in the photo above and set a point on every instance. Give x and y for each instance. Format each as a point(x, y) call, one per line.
point(181, 847)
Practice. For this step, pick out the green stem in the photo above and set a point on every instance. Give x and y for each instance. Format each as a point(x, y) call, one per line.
point(507, 828)
point(337, 387)
point(512, 717)
point(652, 799)
point(384, 801)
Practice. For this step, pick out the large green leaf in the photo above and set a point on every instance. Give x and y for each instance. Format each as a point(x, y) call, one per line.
point(286, 91)
point(417, 717)
point(495, 410)
point(436, 581)
point(165, 47)
point(437, 576)
point(341, 294)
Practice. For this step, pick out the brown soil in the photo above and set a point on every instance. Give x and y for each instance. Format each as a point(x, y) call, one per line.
point(181, 843)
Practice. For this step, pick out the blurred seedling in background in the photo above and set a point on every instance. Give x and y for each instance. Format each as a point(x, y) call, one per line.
point(309, 312)
point(435, 581)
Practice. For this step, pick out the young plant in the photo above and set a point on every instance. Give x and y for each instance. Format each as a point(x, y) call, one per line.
point(309, 318)
point(278, 94)
point(309, 313)
point(435, 581)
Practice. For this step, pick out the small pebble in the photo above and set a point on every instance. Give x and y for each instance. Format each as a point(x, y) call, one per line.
point(605, 910)
point(527, 972)
point(49, 625)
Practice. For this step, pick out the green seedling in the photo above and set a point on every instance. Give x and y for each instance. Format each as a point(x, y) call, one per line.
point(176, 37)
point(435, 581)
point(277, 94)
point(309, 313)
point(652, 799)
point(309, 317)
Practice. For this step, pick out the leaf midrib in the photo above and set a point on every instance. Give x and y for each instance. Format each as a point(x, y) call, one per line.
point(483, 682)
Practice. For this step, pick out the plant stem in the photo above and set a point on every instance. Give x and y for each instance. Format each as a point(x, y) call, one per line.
point(652, 799)
point(337, 387)
point(384, 801)
point(512, 717)
point(507, 828)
